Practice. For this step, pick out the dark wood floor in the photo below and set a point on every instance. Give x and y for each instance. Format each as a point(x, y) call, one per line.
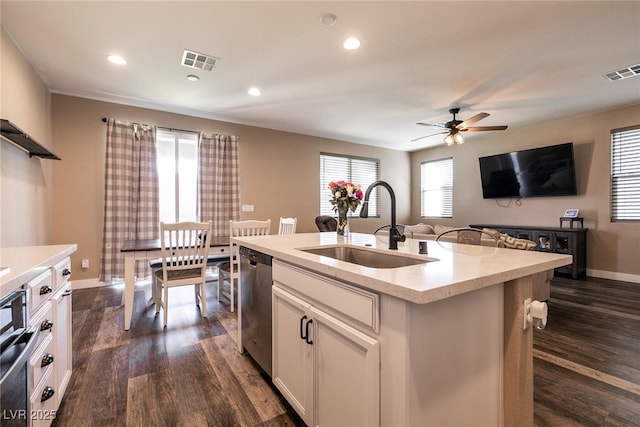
point(587, 359)
point(586, 362)
point(189, 374)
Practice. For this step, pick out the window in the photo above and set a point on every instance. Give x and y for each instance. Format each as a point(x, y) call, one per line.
point(625, 174)
point(436, 188)
point(177, 155)
point(334, 167)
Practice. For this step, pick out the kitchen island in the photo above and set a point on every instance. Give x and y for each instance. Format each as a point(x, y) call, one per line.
point(440, 342)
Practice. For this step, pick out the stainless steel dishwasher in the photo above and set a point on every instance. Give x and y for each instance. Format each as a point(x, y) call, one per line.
point(256, 305)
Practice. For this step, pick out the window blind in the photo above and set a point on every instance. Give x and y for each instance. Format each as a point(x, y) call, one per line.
point(625, 174)
point(436, 188)
point(357, 170)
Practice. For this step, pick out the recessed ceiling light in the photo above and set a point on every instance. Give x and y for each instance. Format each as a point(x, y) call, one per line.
point(254, 91)
point(328, 19)
point(193, 78)
point(351, 43)
point(116, 59)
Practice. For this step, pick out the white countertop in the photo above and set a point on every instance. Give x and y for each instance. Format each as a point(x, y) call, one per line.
point(27, 262)
point(453, 268)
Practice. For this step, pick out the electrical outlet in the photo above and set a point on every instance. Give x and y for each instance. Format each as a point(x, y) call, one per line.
point(85, 264)
point(247, 208)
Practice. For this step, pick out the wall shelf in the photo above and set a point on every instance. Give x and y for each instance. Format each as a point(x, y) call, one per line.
point(16, 136)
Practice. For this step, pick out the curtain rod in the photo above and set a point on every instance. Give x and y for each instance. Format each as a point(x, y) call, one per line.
point(104, 120)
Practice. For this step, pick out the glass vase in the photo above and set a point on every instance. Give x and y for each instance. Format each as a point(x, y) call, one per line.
point(343, 222)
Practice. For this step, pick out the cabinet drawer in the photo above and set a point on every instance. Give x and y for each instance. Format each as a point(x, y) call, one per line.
point(43, 403)
point(44, 354)
point(355, 303)
point(43, 318)
point(62, 272)
point(40, 290)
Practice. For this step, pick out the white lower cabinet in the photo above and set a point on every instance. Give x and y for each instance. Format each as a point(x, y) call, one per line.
point(50, 362)
point(346, 374)
point(328, 370)
point(292, 356)
point(61, 301)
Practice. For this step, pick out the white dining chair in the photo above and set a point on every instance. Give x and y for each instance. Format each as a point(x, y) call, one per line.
point(287, 225)
point(184, 247)
point(231, 270)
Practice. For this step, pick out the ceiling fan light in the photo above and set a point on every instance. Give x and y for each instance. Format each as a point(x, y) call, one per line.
point(448, 140)
point(458, 139)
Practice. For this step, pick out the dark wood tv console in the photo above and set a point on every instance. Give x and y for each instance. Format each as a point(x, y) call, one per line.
point(572, 241)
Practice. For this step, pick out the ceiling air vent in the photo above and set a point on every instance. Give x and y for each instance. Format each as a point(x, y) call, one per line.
point(199, 61)
point(631, 71)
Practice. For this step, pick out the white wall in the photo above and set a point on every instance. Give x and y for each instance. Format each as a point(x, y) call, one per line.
point(612, 248)
point(25, 183)
point(279, 172)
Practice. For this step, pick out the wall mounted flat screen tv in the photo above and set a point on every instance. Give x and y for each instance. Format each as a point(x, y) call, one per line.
point(537, 172)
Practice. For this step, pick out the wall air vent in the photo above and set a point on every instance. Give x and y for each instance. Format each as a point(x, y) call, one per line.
point(199, 61)
point(14, 135)
point(624, 73)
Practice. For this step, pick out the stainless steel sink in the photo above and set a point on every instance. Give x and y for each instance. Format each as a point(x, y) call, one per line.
point(365, 257)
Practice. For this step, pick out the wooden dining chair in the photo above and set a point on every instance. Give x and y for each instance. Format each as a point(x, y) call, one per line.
point(287, 225)
point(231, 270)
point(184, 247)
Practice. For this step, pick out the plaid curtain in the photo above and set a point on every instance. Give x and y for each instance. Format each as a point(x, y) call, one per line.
point(218, 181)
point(131, 209)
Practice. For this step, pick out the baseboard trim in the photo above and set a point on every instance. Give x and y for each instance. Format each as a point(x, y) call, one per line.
point(612, 275)
point(88, 283)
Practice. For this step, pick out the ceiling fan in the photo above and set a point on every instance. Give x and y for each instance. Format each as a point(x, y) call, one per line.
point(453, 127)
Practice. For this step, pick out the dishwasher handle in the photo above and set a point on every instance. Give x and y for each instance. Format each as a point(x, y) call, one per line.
point(255, 257)
point(28, 339)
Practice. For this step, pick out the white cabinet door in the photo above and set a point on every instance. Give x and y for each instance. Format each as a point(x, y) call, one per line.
point(292, 354)
point(62, 338)
point(328, 371)
point(346, 374)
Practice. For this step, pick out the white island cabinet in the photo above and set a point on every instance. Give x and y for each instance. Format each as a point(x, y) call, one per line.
point(319, 361)
point(438, 343)
point(44, 272)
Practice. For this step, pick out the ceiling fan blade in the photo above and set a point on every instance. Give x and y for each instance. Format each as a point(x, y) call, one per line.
point(484, 128)
point(427, 136)
point(439, 125)
point(471, 120)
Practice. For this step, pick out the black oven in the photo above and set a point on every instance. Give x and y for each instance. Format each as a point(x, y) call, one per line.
point(16, 344)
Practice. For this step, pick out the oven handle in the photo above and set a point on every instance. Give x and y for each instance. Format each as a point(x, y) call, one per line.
point(8, 377)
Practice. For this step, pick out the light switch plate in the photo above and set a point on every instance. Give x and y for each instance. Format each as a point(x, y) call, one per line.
point(247, 208)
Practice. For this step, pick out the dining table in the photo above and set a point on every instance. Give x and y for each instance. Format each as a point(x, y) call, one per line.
point(144, 250)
